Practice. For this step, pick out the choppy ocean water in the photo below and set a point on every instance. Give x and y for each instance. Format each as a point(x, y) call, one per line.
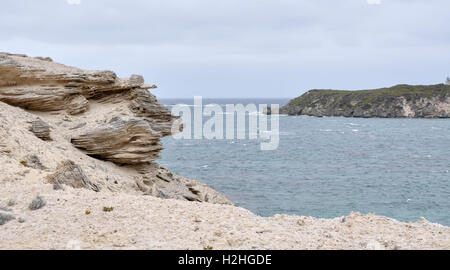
point(327, 167)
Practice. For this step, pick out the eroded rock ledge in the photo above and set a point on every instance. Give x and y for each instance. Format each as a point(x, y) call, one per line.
point(110, 124)
point(130, 141)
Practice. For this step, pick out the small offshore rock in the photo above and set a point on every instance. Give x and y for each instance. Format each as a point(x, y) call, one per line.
point(37, 203)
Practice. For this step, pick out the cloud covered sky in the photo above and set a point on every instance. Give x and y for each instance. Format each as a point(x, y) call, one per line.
point(237, 48)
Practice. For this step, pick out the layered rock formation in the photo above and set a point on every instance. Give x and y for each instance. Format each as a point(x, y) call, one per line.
point(90, 129)
point(420, 101)
point(131, 141)
point(41, 130)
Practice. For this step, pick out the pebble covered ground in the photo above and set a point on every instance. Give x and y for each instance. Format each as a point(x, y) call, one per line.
point(84, 219)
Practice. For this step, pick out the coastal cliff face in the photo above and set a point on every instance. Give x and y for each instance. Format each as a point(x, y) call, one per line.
point(86, 129)
point(431, 101)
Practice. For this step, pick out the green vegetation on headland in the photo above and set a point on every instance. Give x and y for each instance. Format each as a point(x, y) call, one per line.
point(430, 101)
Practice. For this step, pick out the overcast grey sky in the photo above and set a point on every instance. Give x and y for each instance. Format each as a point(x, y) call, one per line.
point(239, 48)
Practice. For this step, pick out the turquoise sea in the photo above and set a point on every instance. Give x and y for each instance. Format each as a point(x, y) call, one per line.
point(326, 167)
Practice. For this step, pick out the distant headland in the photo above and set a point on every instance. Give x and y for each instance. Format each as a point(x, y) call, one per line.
point(407, 101)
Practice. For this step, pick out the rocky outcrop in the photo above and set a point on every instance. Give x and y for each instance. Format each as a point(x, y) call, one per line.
point(41, 85)
point(70, 174)
point(41, 130)
point(4, 217)
point(38, 84)
point(162, 183)
point(130, 141)
point(431, 101)
point(110, 127)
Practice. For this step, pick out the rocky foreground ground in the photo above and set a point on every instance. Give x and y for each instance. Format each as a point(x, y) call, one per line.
point(78, 153)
